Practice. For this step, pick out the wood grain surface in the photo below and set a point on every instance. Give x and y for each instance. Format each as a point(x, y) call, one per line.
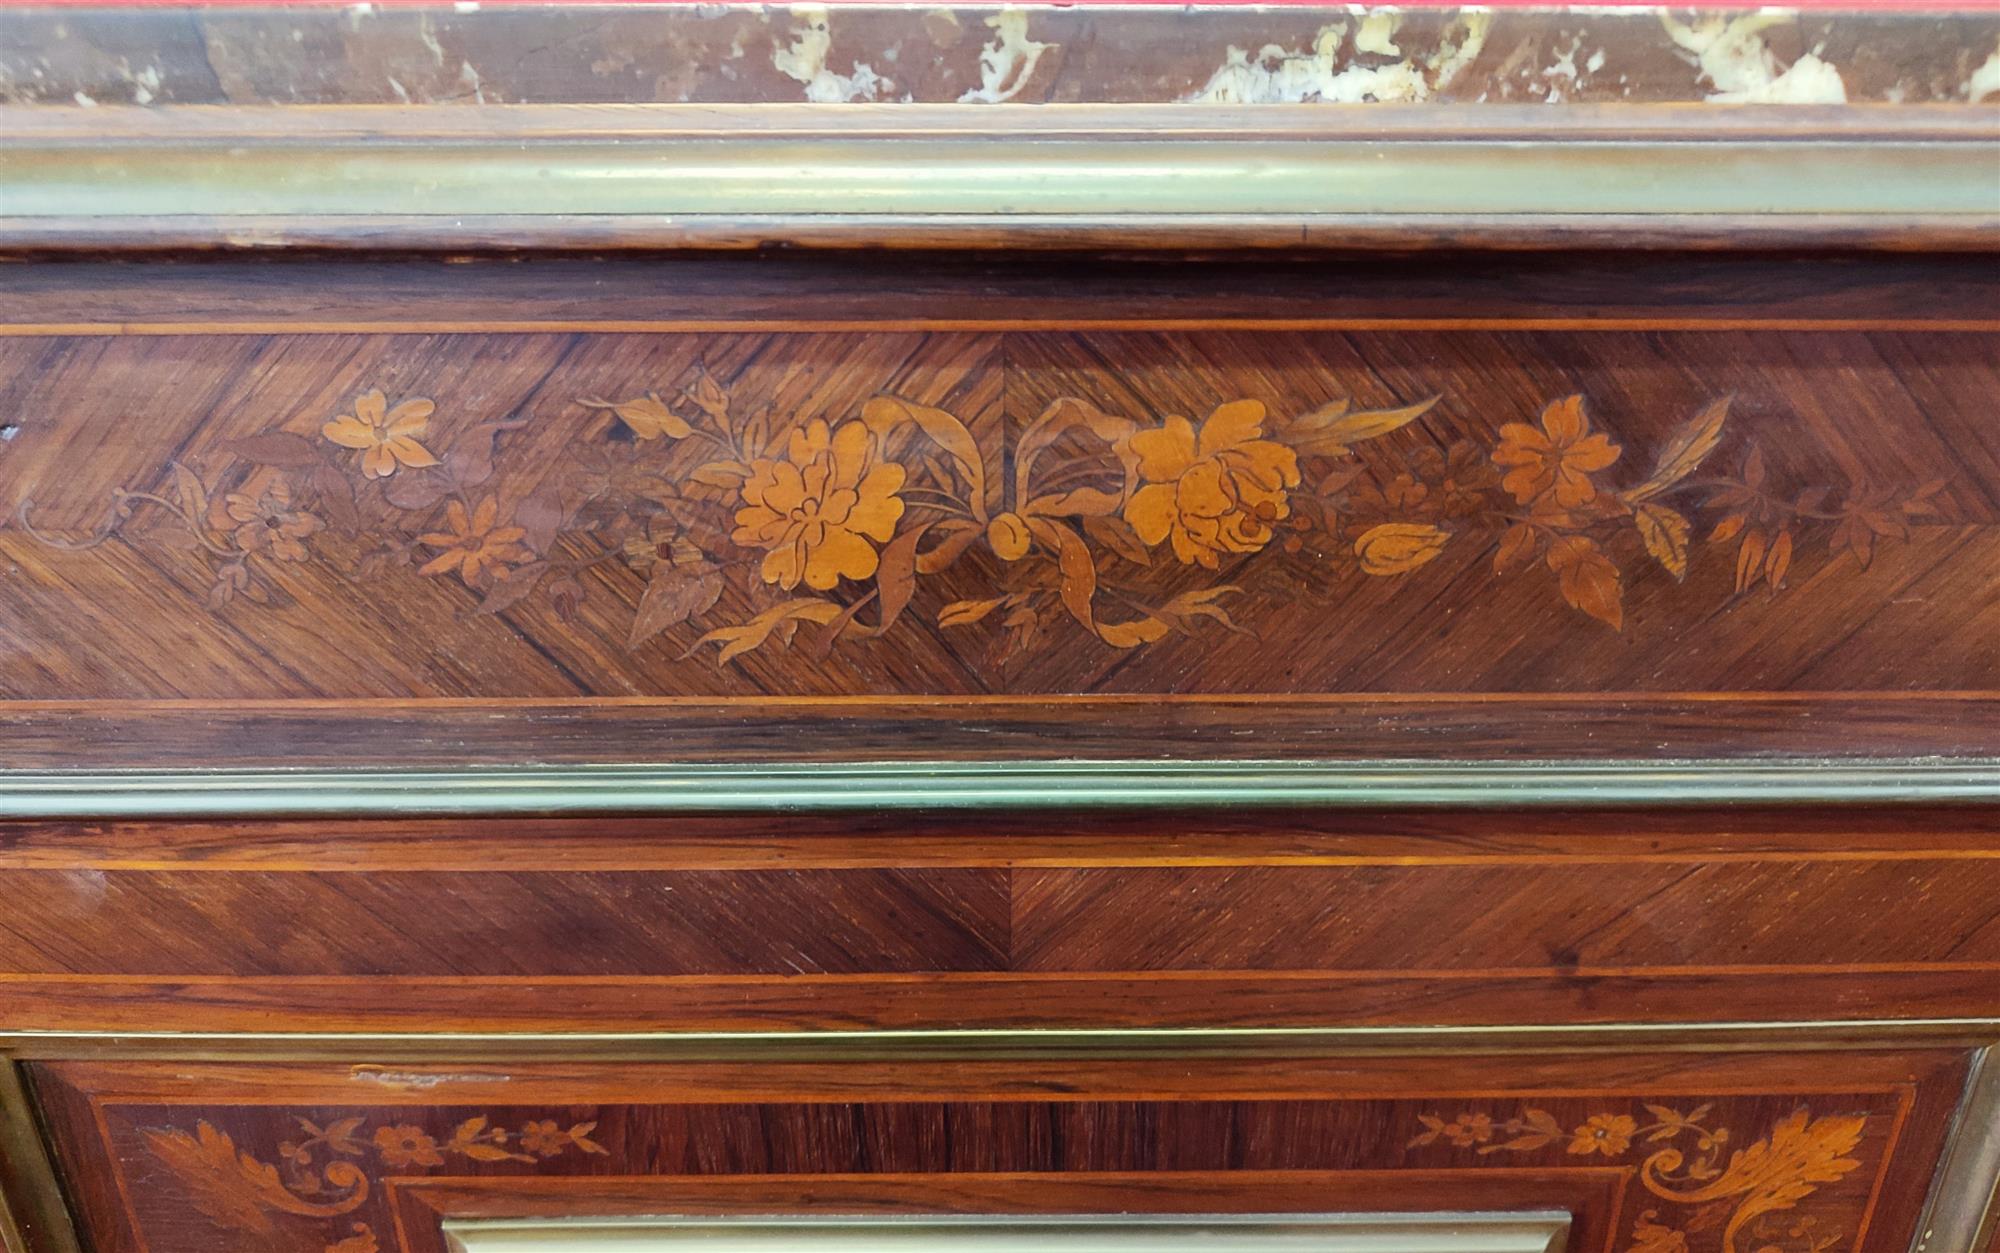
point(1031, 921)
point(1735, 1151)
point(382, 512)
point(234, 534)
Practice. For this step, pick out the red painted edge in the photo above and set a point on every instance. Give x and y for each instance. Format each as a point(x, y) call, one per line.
point(1963, 7)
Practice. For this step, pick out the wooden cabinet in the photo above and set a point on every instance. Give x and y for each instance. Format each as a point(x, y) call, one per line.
point(1189, 667)
point(1675, 1029)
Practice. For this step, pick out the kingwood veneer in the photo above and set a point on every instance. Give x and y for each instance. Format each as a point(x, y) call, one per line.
point(932, 659)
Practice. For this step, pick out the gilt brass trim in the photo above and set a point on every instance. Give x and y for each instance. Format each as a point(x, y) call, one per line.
point(512, 176)
point(796, 787)
point(33, 1216)
point(1963, 1211)
point(994, 1044)
point(1461, 1232)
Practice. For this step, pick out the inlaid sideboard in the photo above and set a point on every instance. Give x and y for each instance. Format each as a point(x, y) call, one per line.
point(982, 628)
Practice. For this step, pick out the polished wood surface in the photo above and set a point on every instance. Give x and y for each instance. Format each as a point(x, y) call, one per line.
point(409, 493)
point(1511, 533)
point(975, 291)
point(1721, 1152)
point(1026, 921)
point(541, 484)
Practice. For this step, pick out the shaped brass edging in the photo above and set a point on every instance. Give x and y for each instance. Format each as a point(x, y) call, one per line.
point(1529, 1231)
point(923, 175)
point(418, 1048)
point(33, 1215)
point(1963, 1212)
point(834, 787)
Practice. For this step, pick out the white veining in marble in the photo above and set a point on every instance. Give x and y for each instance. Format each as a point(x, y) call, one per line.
point(1985, 80)
point(1733, 57)
point(1326, 72)
point(804, 60)
point(1007, 63)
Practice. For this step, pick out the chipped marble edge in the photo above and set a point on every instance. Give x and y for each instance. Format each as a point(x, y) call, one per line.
point(1355, 54)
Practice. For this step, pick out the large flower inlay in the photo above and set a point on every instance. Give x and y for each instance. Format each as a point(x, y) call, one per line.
point(815, 511)
point(1212, 491)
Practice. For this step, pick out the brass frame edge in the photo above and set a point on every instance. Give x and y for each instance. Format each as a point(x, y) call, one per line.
point(1054, 176)
point(1440, 1231)
point(905, 1044)
point(781, 786)
point(1962, 1213)
point(1157, 232)
point(34, 1218)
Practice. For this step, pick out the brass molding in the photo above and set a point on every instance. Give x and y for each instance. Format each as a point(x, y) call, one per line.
point(778, 1046)
point(999, 785)
point(33, 1216)
point(1451, 1232)
point(941, 175)
point(1963, 1212)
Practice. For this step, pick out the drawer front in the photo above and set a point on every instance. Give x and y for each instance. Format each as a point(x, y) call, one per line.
point(398, 516)
point(1655, 1151)
point(1200, 918)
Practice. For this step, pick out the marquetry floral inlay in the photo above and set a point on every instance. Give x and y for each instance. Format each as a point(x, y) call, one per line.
point(321, 1189)
point(1688, 1163)
point(1129, 526)
point(329, 1171)
point(387, 438)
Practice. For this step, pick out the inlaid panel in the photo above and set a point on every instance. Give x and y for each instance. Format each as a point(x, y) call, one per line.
point(1725, 1151)
point(1702, 1153)
point(1493, 513)
point(542, 515)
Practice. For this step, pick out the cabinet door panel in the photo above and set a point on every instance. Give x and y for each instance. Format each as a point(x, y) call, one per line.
point(1721, 1151)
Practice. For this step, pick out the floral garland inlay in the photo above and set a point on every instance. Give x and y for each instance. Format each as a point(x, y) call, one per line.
point(242, 1193)
point(834, 522)
point(327, 1173)
point(1775, 1173)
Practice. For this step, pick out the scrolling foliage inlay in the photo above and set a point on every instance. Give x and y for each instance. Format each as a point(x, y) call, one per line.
point(241, 1193)
point(1742, 1194)
point(834, 522)
point(1706, 1190)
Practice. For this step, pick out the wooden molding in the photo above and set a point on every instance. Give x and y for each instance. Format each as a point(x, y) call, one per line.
point(1058, 176)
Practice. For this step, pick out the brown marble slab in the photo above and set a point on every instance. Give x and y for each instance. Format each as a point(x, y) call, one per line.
point(979, 53)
